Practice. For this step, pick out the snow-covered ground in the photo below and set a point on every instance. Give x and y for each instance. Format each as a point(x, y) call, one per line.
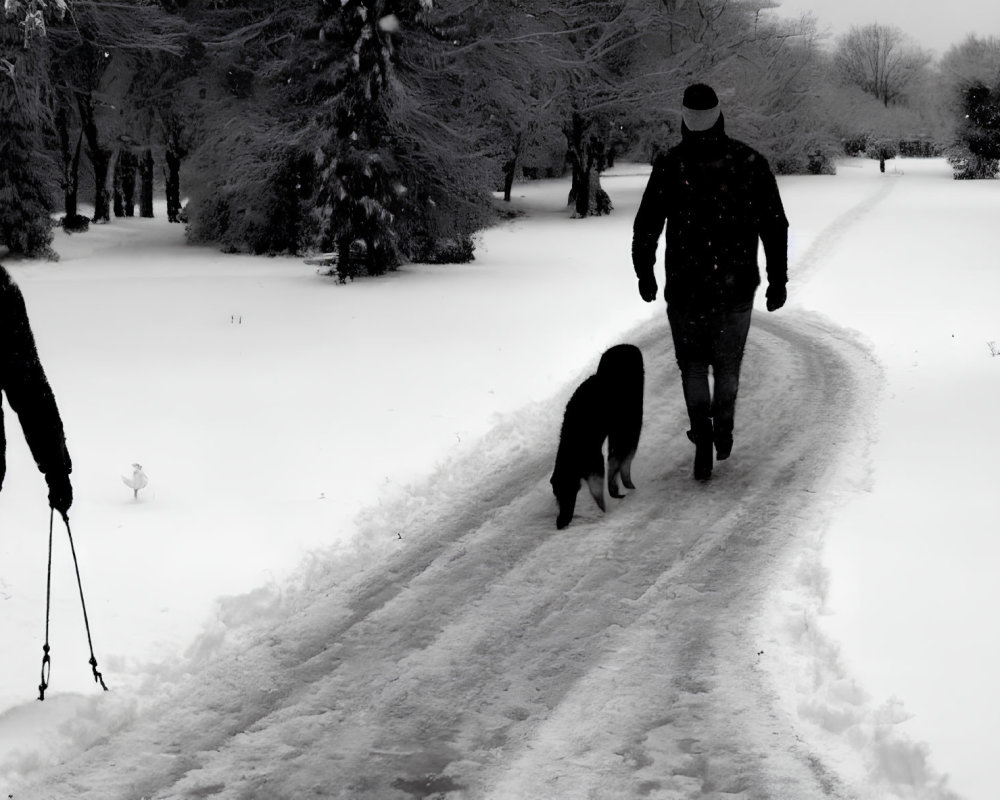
point(912, 560)
point(298, 434)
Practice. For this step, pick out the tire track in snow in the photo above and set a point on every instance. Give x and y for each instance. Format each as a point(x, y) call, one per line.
point(393, 635)
point(684, 708)
point(494, 657)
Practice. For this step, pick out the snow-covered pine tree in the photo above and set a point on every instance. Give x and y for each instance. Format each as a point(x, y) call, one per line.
point(360, 187)
point(355, 135)
point(445, 146)
point(969, 77)
point(980, 134)
point(26, 174)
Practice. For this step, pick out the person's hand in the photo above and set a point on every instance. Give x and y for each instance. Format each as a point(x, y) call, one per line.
point(648, 288)
point(60, 492)
point(776, 297)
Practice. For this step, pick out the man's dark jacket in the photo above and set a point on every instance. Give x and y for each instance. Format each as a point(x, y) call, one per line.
point(717, 196)
point(23, 381)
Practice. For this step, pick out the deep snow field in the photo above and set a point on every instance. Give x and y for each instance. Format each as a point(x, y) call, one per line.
point(275, 411)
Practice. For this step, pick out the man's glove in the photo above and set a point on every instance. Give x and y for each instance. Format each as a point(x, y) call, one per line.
point(60, 492)
point(776, 296)
point(648, 288)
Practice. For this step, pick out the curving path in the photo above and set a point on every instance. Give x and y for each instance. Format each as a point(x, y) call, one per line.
point(492, 657)
point(489, 656)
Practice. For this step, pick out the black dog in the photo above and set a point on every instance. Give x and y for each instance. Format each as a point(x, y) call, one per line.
point(607, 405)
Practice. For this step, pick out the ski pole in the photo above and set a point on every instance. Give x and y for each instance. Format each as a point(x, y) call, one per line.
point(46, 660)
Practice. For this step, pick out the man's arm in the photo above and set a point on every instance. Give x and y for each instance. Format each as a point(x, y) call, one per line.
point(27, 388)
point(774, 236)
point(648, 228)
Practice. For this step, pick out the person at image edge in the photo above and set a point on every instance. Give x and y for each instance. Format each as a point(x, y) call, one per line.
point(28, 393)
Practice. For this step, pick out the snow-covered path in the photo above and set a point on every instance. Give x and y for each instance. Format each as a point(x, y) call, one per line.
point(449, 642)
point(490, 656)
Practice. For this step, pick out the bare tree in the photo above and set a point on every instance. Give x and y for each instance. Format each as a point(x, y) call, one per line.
point(506, 60)
point(96, 53)
point(880, 60)
point(975, 60)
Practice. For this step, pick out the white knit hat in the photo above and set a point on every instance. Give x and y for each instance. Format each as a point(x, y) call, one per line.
point(700, 110)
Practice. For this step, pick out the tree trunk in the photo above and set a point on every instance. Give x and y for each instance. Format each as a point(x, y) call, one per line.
point(579, 188)
point(346, 268)
point(70, 178)
point(585, 152)
point(510, 168)
point(100, 160)
point(73, 189)
point(117, 198)
point(173, 186)
point(125, 181)
point(508, 178)
point(146, 184)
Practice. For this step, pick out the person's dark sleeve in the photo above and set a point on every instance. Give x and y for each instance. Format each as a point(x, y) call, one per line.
point(773, 228)
point(26, 387)
point(649, 220)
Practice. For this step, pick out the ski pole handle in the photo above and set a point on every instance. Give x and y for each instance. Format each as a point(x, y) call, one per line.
point(46, 669)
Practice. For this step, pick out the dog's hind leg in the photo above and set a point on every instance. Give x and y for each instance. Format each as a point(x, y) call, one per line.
point(616, 467)
point(626, 470)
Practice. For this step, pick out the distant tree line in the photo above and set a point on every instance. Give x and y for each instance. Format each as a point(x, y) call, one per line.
point(888, 98)
point(380, 131)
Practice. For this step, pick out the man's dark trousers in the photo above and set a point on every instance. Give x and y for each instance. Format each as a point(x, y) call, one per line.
point(716, 340)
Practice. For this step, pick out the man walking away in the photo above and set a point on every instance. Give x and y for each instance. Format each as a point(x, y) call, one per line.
point(717, 197)
point(23, 381)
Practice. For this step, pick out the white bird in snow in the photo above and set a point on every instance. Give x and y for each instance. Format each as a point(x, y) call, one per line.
point(137, 481)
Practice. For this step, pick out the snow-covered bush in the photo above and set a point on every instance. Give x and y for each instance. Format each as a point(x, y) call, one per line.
point(977, 151)
point(258, 203)
point(970, 76)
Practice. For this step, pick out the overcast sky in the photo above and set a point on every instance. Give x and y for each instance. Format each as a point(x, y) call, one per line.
point(935, 26)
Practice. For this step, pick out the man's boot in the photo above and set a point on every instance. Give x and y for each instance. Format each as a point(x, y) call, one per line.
point(723, 446)
point(703, 456)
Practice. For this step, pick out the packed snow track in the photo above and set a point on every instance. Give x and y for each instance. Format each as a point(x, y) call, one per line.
point(483, 654)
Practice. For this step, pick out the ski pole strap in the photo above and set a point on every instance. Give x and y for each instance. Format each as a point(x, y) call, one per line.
point(98, 678)
point(46, 661)
point(46, 667)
